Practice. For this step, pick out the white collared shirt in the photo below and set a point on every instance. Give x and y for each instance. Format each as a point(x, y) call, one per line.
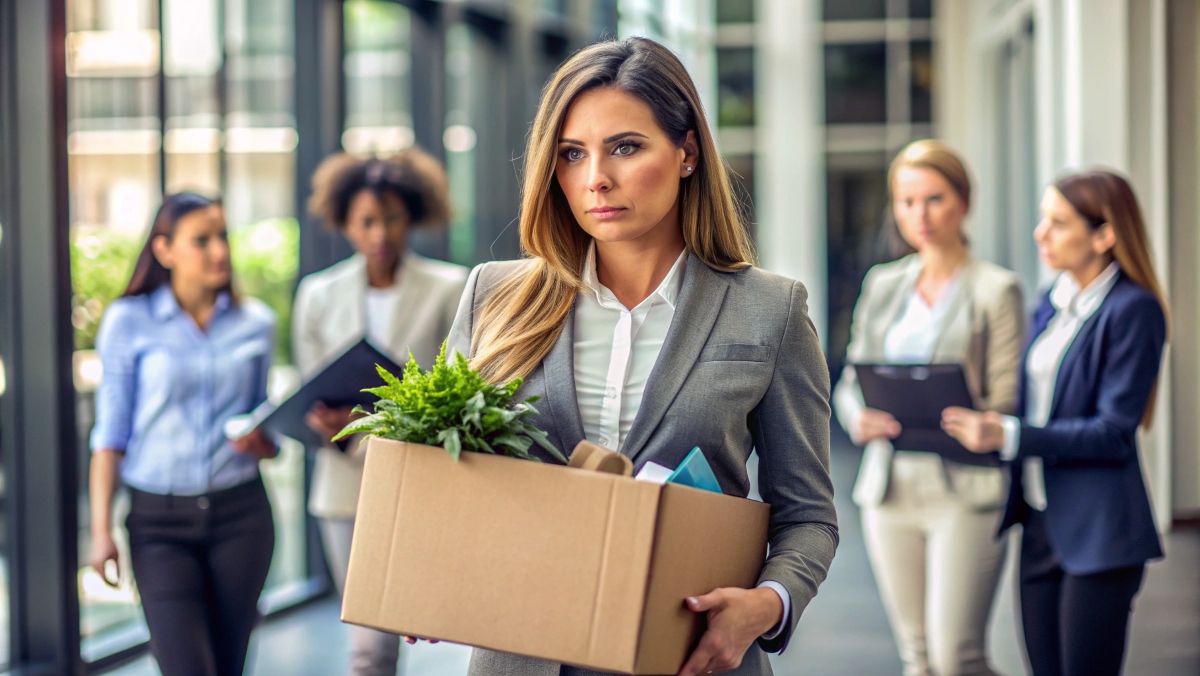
point(1074, 306)
point(615, 350)
point(912, 338)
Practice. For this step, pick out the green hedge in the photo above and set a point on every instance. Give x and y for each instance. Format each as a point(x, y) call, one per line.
point(265, 259)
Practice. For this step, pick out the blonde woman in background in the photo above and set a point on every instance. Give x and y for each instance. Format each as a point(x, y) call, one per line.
point(929, 523)
point(402, 302)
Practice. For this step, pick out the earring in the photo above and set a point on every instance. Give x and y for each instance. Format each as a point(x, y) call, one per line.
point(689, 168)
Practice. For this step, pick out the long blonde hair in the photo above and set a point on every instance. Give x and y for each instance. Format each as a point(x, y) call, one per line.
point(1101, 196)
point(522, 318)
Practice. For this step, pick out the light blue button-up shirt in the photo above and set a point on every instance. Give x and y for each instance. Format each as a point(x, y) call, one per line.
point(169, 388)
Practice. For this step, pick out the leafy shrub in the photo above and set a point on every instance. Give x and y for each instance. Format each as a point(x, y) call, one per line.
point(101, 263)
point(454, 407)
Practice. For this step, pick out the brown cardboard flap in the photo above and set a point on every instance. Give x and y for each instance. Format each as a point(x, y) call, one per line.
point(596, 458)
point(505, 554)
point(704, 541)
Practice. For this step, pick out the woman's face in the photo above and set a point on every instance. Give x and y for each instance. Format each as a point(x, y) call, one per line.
point(1064, 238)
point(927, 209)
point(618, 169)
point(198, 253)
point(377, 227)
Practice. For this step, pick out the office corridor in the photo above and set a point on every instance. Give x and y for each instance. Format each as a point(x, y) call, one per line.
point(843, 633)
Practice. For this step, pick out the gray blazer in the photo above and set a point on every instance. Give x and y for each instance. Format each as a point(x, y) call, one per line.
point(741, 369)
point(984, 330)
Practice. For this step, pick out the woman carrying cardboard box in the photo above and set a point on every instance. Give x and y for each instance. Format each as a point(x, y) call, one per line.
point(403, 303)
point(640, 319)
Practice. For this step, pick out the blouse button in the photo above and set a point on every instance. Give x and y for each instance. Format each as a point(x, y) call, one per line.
point(202, 502)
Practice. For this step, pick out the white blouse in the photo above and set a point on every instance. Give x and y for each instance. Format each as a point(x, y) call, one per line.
point(615, 351)
point(1074, 306)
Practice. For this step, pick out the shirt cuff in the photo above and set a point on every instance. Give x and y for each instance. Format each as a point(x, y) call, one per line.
point(1012, 437)
point(787, 608)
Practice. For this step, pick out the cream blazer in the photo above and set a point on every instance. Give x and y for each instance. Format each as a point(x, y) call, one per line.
point(984, 330)
point(328, 317)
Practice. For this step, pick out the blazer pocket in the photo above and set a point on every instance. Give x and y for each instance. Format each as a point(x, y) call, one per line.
point(736, 352)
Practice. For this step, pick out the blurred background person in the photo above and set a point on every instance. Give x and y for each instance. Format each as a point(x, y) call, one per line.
point(1089, 382)
point(182, 355)
point(930, 523)
point(402, 302)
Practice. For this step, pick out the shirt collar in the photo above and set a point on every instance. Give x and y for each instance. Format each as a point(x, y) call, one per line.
point(163, 305)
point(667, 291)
point(1066, 294)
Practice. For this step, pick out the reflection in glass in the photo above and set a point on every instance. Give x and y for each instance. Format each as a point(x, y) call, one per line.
point(735, 11)
point(459, 139)
point(234, 137)
point(377, 66)
point(855, 83)
point(854, 10)
point(921, 60)
point(735, 86)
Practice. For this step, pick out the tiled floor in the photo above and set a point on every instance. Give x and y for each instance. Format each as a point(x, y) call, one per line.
point(843, 632)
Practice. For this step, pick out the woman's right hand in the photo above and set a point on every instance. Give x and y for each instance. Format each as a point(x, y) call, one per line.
point(874, 424)
point(327, 422)
point(104, 549)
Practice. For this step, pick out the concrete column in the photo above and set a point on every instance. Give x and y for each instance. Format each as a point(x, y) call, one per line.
point(789, 165)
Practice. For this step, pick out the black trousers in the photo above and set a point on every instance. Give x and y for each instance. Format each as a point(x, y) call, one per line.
point(1075, 625)
point(200, 563)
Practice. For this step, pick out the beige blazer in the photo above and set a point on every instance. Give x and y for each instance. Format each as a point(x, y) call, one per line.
point(329, 317)
point(984, 330)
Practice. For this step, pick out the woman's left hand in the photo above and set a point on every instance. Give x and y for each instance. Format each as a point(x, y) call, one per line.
point(977, 432)
point(736, 619)
point(256, 444)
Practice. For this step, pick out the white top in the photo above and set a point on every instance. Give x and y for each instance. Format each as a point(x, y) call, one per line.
point(913, 336)
point(1074, 306)
point(381, 313)
point(615, 350)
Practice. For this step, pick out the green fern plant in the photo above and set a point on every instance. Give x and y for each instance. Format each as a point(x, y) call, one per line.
point(454, 407)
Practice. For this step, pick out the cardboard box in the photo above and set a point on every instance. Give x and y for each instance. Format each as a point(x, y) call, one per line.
point(580, 567)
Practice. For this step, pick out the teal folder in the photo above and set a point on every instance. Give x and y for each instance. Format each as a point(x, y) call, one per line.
point(695, 471)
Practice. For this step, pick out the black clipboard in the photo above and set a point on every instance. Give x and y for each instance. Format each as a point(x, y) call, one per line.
point(916, 395)
point(339, 383)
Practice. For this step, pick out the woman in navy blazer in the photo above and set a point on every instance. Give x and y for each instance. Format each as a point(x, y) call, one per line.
point(1088, 382)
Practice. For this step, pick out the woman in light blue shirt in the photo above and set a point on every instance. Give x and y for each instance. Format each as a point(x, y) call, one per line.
point(182, 355)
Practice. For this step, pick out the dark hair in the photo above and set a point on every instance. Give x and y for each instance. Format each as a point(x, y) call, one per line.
point(148, 273)
point(1102, 198)
point(416, 178)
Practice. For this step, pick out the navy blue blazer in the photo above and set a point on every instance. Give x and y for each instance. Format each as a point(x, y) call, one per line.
point(1098, 512)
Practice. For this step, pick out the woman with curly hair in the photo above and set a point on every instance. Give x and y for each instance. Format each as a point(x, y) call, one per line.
point(398, 300)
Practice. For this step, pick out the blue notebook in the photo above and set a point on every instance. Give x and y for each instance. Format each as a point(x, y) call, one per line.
point(695, 471)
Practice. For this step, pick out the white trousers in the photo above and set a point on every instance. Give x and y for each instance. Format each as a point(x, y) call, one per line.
point(372, 652)
point(937, 562)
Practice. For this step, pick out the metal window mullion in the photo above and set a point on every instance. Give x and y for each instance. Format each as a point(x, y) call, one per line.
point(37, 414)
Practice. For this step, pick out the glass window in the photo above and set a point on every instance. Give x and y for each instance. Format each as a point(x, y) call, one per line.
point(226, 127)
point(920, 9)
point(856, 83)
point(735, 11)
point(113, 144)
point(735, 86)
point(377, 67)
point(460, 139)
point(921, 62)
point(856, 202)
point(854, 10)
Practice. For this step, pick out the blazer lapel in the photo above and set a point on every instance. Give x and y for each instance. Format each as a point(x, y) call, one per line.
point(697, 310)
point(891, 308)
point(558, 368)
point(1071, 358)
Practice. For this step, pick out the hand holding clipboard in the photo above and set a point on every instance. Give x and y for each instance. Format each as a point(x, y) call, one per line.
point(916, 395)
